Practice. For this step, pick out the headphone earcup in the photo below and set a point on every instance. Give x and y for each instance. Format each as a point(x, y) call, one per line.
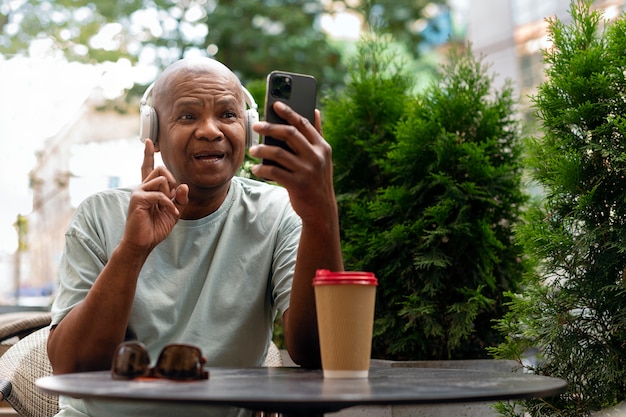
point(148, 124)
point(252, 137)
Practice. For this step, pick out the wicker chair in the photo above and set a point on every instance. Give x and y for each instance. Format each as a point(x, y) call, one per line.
point(24, 360)
point(17, 325)
point(27, 360)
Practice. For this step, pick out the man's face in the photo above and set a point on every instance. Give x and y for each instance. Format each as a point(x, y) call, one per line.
point(202, 128)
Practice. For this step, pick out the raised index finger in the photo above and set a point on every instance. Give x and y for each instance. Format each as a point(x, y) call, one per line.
point(148, 159)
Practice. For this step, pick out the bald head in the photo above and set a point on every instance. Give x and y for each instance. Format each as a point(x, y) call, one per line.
point(185, 70)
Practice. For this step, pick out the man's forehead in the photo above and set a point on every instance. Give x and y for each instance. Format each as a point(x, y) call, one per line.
point(188, 75)
point(198, 75)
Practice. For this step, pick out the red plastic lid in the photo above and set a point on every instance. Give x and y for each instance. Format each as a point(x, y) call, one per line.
point(326, 277)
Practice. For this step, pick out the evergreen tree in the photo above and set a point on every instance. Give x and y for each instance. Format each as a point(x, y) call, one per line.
point(573, 305)
point(429, 188)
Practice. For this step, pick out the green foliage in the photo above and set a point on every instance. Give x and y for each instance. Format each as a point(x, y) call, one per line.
point(251, 36)
point(398, 18)
point(360, 121)
point(428, 188)
point(255, 37)
point(572, 304)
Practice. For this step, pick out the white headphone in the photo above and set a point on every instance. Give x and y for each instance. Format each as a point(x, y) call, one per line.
point(149, 122)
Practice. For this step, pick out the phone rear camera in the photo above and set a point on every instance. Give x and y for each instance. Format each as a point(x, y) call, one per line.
point(281, 87)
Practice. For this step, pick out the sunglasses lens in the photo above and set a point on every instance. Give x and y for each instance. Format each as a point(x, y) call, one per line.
point(131, 360)
point(181, 362)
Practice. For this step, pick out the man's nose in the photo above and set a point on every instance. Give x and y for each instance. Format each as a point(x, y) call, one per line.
point(209, 129)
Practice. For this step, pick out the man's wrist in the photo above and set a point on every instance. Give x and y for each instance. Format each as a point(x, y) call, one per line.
point(131, 254)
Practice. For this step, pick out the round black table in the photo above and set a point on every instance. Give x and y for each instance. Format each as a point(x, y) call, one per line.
point(297, 391)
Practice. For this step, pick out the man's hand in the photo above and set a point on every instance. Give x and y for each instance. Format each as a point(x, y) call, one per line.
point(155, 205)
point(307, 173)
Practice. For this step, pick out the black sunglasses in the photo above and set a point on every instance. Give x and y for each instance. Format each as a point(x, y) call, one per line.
point(176, 361)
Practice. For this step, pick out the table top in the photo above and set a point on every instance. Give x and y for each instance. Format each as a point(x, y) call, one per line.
point(290, 388)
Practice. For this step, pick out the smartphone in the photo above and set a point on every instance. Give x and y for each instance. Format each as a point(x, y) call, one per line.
point(298, 91)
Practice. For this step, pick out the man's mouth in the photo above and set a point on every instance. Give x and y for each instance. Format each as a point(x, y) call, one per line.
point(209, 156)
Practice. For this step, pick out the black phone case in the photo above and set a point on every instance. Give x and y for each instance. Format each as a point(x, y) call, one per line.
point(302, 101)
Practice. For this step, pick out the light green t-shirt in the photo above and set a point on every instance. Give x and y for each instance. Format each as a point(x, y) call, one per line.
point(215, 282)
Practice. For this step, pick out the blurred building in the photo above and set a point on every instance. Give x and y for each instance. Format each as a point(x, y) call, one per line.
point(511, 34)
point(97, 149)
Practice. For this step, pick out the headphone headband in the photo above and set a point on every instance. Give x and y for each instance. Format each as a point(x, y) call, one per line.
point(144, 98)
point(249, 99)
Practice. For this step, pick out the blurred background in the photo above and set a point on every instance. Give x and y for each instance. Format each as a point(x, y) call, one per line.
point(72, 74)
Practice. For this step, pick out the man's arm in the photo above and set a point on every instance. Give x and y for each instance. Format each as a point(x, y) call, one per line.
point(319, 248)
point(308, 177)
point(86, 338)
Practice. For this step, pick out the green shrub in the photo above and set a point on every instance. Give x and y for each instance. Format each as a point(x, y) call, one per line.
point(572, 307)
point(428, 188)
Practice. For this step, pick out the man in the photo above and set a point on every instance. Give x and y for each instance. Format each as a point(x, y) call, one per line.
point(195, 254)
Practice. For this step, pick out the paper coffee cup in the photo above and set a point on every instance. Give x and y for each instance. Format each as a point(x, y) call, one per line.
point(345, 320)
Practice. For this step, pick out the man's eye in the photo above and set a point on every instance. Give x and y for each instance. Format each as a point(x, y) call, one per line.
point(185, 117)
point(229, 114)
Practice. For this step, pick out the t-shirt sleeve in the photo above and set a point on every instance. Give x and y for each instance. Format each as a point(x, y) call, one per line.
point(83, 259)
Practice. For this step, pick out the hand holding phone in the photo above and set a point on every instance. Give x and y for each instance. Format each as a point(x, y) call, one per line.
point(298, 91)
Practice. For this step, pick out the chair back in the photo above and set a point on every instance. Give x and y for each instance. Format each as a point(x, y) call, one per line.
point(20, 367)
